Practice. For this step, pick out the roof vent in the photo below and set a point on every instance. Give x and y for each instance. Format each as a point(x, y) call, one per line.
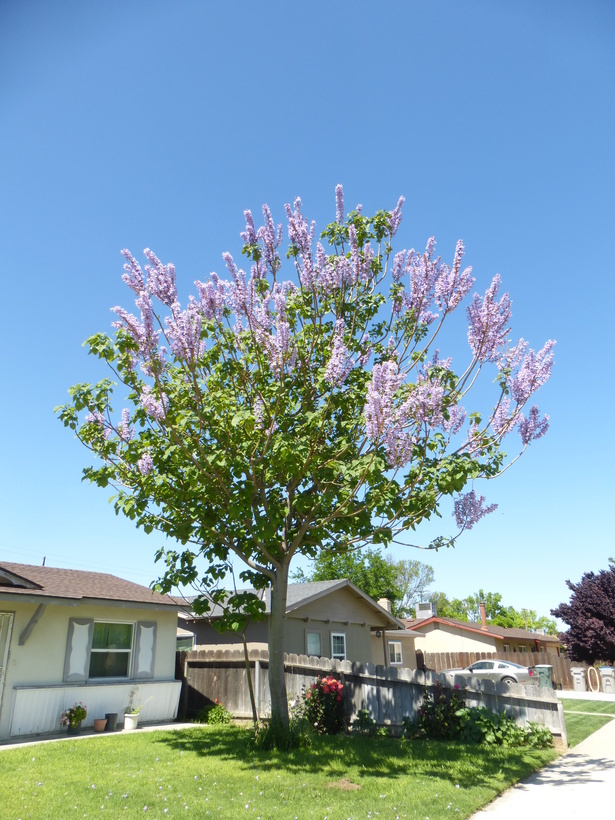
point(425, 610)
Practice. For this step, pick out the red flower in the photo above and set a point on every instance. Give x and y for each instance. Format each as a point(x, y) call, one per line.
point(339, 697)
point(325, 690)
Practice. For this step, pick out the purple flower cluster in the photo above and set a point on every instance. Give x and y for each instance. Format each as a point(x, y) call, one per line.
point(470, 508)
point(431, 283)
point(489, 323)
point(532, 427)
point(155, 408)
point(145, 463)
point(340, 364)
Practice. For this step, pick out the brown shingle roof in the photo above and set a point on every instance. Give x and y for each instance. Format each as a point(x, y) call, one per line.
point(52, 582)
point(499, 632)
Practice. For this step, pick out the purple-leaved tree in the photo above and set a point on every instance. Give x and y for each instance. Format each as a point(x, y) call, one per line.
point(270, 418)
point(590, 616)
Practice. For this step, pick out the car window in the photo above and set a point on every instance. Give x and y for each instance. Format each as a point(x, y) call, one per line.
point(503, 665)
point(480, 665)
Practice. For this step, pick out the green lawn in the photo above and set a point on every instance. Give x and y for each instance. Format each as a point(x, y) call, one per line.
point(605, 707)
point(579, 726)
point(212, 772)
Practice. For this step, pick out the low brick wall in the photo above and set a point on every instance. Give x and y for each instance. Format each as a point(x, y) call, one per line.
point(390, 694)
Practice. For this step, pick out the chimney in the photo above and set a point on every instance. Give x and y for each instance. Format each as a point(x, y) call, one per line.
point(384, 603)
point(483, 617)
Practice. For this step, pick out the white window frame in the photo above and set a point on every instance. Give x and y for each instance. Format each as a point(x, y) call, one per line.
point(338, 655)
point(309, 632)
point(506, 647)
point(142, 652)
point(397, 653)
point(129, 651)
point(522, 647)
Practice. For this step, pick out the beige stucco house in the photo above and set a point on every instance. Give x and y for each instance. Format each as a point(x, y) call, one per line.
point(449, 635)
point(333, 619)
point(69, 636)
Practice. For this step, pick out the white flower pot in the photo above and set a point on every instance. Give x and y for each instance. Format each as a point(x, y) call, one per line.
point(130, 722)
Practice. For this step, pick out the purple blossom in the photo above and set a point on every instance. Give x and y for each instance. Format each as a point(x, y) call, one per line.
point(395, 216)
point(134, 275)
point(145, 463)
point(378, 410)
point(340, 363)
point(183, 330)
point(469, 509)
point(271, 239)
point(155, 408)
point(160, 279)
point(532, 427)
point(456, 417)
point(249, 235)
point(95, 417)
point(301, 235)
point(488, 322)
point(212, 297)
point(125, 431)
point(259, 413)
point(339, 204)
point(533, 372)
point(452, 284)
point(503, 420)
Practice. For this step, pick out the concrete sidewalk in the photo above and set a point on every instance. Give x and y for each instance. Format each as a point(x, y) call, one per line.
point(581, 780)
point(30, 740)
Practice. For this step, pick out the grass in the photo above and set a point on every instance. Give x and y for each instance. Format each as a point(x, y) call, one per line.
point(604, 707)
point(212, 772)
point(579, 725)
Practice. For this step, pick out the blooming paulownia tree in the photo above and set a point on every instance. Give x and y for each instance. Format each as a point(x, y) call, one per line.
point(271, 418)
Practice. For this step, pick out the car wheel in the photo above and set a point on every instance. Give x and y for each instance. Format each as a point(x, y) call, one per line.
point(508, 680)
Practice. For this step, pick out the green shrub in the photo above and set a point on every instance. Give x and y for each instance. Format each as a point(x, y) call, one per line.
point(439, 716)
point(324, 706)
point(444, 716)
point(273, 735)
point(479, 725)
point(364, 723)
point(214, 713)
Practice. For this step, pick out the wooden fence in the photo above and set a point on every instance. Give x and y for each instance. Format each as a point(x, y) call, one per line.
point(389, 694)
point(437, 661)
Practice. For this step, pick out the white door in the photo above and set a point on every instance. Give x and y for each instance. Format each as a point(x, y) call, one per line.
point(6, 627)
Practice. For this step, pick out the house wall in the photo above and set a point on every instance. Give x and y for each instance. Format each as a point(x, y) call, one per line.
point(408, 652)
point(453, 639)
point(40, 661)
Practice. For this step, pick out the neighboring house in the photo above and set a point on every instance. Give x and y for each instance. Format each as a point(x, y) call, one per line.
point(68, 636)
point(450, 635)
point(332, 619)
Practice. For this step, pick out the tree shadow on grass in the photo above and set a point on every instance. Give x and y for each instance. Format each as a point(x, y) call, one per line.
point(373, 757)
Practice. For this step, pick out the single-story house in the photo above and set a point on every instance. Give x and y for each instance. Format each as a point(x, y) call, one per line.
point(450, 635)
point(68, 636)
point(333, 619)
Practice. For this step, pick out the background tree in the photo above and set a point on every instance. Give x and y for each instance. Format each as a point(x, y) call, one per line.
point(590, 616)
point(413, 578)
point(367, 569)
point(269, 419)
point(468, 609)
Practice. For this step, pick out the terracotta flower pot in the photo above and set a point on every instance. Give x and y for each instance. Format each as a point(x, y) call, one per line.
point(100, 724)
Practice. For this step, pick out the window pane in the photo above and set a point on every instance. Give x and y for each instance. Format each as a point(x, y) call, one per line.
point(112, 636)
point(394, 652)
point(313, 643)
point(109, 664)
point(338, 646)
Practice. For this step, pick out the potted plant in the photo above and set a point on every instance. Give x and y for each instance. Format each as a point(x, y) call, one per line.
point(131, 712)
point(72, 717)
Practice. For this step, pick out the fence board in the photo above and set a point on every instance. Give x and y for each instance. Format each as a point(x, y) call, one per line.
point(389, 694)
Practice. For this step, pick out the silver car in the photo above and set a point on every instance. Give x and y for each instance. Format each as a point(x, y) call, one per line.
point(499, 672)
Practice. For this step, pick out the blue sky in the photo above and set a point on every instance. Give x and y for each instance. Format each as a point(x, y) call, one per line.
point(155, 124)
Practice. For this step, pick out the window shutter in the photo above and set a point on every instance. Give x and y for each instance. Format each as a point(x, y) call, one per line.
point(145, 649)
point(78, 646)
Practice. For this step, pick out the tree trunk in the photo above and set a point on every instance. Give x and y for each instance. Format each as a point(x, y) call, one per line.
point(246, 658)
point(277, 679)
